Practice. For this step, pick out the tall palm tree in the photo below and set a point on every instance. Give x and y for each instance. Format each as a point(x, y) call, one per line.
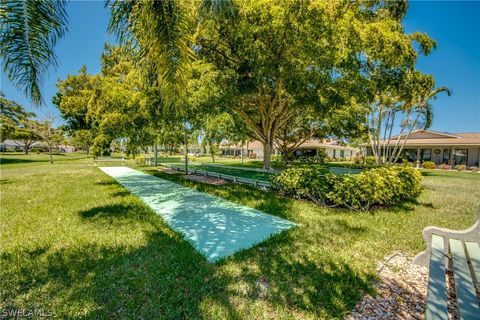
point(421, 115)
point(29, 32)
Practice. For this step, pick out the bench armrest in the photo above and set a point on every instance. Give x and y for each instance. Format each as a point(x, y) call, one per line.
point(470, 234)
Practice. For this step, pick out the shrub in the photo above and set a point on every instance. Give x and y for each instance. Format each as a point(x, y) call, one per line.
point(444, 166)
point(474, 168)
point(140, 159)
point(300, 182)
point(314, 159)
point(357, 165)
point(461, 167)
point(277, 158)
point(377, 186)
point(370, 160)
point(429, 165)
point(321, 156)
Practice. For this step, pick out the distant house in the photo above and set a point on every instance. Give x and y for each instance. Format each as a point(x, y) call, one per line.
point(17, 145)
point(254, 149)
point(439, 147)
point(331, 147)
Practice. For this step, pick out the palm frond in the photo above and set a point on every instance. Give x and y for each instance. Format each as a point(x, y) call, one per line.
point(162, 32)
point(217, 9)
point(29, 32)
point(433, 94)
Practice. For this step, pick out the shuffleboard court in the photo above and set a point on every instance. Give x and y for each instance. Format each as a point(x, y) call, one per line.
point(214, 226)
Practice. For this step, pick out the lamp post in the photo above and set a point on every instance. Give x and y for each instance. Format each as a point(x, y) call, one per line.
point(187, 127)
point(155, 151)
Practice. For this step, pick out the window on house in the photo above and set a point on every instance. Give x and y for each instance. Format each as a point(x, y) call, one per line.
point(426, 154)
point(460, 156)
point(410, 154)
point(446, 155)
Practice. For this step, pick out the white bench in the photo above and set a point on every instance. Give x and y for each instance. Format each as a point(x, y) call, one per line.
point(460, 252)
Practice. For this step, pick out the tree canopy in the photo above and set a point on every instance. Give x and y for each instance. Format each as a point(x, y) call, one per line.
point(282, 56)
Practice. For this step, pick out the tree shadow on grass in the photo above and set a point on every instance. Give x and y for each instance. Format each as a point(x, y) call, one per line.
point(4, 161)
point(109, 182)
point(322, 285)
point(162, 277)
point(165, 277)
point(410, 206)
point(5, 181)
point(119, 192)
point(110, 210)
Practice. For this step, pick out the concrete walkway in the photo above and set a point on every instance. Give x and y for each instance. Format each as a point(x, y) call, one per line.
point(214, 226)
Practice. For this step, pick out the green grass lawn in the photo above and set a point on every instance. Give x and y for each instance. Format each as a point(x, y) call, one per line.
point(76, 243)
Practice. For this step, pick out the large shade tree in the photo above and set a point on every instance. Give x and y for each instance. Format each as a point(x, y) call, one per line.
point(288, 55)
point(14, 120)
point(118, 108)
point(298, 129)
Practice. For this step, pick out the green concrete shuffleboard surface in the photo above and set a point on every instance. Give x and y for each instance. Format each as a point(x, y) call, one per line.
point(214, 226)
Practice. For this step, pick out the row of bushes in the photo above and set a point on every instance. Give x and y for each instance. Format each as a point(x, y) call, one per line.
point(444, 166)
point(312, 159)
point(382, 186)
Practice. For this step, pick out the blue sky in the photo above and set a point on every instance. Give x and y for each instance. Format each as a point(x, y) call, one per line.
point(455, 25)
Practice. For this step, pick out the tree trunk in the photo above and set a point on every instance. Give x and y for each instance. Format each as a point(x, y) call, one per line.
point(155, 151)
point(25, 148)
point(50, 154)
point(267, 155)
point(241, 151)
point(186, 152)
point(287, 156)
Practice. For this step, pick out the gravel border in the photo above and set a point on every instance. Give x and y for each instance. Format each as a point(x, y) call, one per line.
point(401, 292)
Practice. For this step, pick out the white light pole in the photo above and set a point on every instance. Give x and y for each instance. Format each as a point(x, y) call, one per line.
point(187, 127)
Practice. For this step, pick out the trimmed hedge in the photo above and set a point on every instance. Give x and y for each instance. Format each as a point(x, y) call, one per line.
point(300, 182)
point(383, 186)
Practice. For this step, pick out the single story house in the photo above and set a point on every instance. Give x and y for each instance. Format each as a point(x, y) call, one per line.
point(439, 147)
point(18, 145)
point(331, 147)
point(254, 149)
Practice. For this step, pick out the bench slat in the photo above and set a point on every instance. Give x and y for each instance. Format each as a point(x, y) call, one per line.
point(473, 250)
point(437, 285)
point(467, 303)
